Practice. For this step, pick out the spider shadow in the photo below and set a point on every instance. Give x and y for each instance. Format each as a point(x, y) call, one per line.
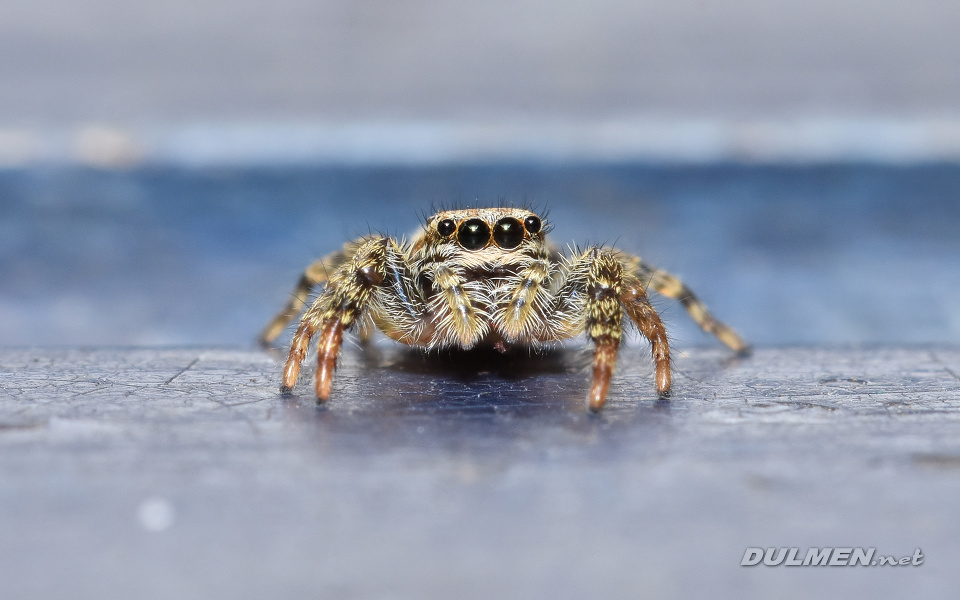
point(467, 398)
point(545, 383)
point(477, 363)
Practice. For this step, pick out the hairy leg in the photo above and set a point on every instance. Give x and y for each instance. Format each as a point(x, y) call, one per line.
point(587, 299)
point(595, 288)
point(603, 325)
point(638, 308)
point(339, 307)
point(316, 274)
point(668, 285)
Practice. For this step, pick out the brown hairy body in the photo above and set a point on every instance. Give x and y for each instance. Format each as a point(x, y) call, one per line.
point(483, 277)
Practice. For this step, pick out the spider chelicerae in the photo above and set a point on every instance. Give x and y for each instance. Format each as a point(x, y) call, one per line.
point(484, 276)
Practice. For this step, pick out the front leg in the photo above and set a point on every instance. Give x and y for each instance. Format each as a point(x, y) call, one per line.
point(641, 312)
point(337, 309)
point(315, 275)
point(603, 325)
point(591, 298)
point(587, 299)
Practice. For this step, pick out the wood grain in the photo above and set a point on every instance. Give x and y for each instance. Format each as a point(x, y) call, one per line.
point(160, 473)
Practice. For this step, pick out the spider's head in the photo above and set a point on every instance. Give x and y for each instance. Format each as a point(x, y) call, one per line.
point(488, 231)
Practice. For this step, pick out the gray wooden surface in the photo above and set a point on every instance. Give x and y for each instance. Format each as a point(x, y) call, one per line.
point(181, 473)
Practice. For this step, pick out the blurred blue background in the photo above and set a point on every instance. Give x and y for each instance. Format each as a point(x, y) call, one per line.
point(788, 254)
point(167, 170)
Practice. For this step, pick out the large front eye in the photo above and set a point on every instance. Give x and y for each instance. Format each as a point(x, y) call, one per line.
point(508, 232)
point(473, 234)
point(446, 227)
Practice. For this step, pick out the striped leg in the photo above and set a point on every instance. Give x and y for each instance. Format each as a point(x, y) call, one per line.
point(339, 307)
point(668, 285)
point(603, 324)
point(314, 275)
point(638, 307)
point(587, 299)
point(595, 284)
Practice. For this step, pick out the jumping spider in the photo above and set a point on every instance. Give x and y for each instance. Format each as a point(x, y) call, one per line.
point(483, 277)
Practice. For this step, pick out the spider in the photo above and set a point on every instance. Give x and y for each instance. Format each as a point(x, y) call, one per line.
point(483, 276)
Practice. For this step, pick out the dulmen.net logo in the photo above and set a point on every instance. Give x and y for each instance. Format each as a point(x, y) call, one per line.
point(826, 557)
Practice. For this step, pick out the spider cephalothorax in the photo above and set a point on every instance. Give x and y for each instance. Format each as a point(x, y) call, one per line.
point(483, 277)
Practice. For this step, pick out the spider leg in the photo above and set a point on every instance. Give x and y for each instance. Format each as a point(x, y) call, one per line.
point(587, 299)
point(339, 307)
point(603, 326)
point(670, 286)
point(638, 308)
point(398, 306)
point(596, 288)
point(314, 275)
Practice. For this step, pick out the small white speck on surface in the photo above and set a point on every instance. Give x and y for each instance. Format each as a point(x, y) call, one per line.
point(155, 514)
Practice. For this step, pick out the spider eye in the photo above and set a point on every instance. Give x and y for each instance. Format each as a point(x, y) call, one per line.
point(508, 232)
point(446, 227)
point(473, 234)
point(532, 223)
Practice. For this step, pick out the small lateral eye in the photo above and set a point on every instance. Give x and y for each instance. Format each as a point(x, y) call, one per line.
point(473, 234)
point(532, 223)
point(446, 227)
point(508, 232)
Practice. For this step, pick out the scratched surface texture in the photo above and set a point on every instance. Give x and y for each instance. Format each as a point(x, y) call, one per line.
point(181, 473)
